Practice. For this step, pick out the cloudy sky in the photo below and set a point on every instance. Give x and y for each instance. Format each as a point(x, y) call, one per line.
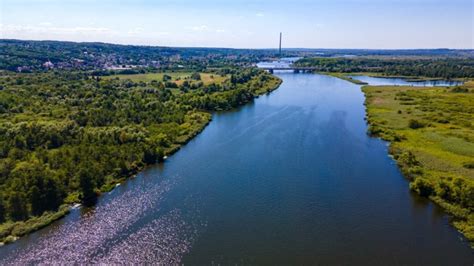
point(245, 23)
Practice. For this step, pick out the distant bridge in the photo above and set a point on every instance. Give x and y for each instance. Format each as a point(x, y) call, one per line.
point(295, 69)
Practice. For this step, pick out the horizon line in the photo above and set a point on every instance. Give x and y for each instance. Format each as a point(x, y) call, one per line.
point(233, 48)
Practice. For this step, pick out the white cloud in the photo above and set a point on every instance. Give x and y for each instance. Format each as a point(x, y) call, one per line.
point(135, 31)
point(45, 24)
point(47, 28)
point(199, 28)
point(260, 14)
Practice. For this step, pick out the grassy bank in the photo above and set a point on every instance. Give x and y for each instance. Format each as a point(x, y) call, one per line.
point(344, 76)
point(431, 131)
point(11, 231)
point(407, 78)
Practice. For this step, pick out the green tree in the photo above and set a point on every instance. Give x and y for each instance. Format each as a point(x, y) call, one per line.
point(196, 76)
point(16, 207)
point(2, 211)
point(86, 187)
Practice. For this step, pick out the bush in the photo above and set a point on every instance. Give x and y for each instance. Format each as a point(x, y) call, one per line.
point(459, 89)
point(415, 124)
point(422, 186)
point(468, 165)
point(407, 159)
point(196, 76)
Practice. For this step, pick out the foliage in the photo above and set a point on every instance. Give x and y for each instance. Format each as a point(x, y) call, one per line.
point(67, 136)
point(415, 124)
point(446, 68)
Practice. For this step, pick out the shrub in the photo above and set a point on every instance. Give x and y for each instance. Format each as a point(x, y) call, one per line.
point(445, 191)
point(459, 89)
point(415, 124)
point(468, 165)
point(407, 159)
point(196, 76)
point(422, 186)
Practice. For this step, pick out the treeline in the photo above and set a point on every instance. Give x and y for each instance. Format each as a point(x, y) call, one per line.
point(67, 136)
point(29, 56)
point(446, 68)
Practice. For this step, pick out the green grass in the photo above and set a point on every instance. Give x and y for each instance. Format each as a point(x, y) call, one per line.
point(10, 231)
point(177, 77)
point(344, 76)
point(431, 131)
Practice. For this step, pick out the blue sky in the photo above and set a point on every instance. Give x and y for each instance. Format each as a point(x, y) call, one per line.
point(244, 23)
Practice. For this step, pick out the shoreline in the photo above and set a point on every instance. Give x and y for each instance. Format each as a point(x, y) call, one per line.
point(345, 76)
point(10, 232)
point(459, 218)
point(410, 160)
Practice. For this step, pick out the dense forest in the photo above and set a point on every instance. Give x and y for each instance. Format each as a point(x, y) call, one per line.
point(446, 68)
point(67, 136)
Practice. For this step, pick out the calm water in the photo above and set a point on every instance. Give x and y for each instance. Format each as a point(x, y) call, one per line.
point(290, 179)
point(398, 81)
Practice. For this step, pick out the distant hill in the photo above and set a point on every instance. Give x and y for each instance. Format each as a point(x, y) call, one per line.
point(27, 56)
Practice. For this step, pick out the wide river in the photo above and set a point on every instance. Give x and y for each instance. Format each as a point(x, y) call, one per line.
point(292, 178)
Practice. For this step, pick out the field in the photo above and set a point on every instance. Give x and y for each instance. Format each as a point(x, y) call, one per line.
point(431, 131)
point(176, 77)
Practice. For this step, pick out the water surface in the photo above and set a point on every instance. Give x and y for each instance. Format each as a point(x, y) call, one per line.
point(378, 81)
point(292, 178)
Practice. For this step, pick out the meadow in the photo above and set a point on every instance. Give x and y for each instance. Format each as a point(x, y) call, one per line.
point(177, 77)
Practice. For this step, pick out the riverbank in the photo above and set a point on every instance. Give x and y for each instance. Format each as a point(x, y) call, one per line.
point(194, 122)
point(344, 76)
point(431, 135)
point(407, 78)
point(348, 77)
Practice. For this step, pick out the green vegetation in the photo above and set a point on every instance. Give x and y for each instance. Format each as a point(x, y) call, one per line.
point(65, 137)
point(431, 131)
point(175, 77)
point(417, 68)
point(30, 56)
point(345, 77)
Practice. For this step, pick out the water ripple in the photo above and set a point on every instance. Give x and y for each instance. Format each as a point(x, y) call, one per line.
point(164, 239)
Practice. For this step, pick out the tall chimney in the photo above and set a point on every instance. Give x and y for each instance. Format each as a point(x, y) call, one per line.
point(280, 45)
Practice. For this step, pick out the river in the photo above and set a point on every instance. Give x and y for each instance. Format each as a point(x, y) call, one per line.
point(291, 178)
point(376, 81)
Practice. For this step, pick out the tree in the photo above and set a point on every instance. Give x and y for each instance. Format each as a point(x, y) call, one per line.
point(2, 211)
point(37, 206)
point(16, 207)
point(86, 187)
point(196, 76)
point(51, 195)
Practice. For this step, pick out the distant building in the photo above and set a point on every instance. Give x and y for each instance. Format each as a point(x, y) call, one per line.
point(48, 64)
